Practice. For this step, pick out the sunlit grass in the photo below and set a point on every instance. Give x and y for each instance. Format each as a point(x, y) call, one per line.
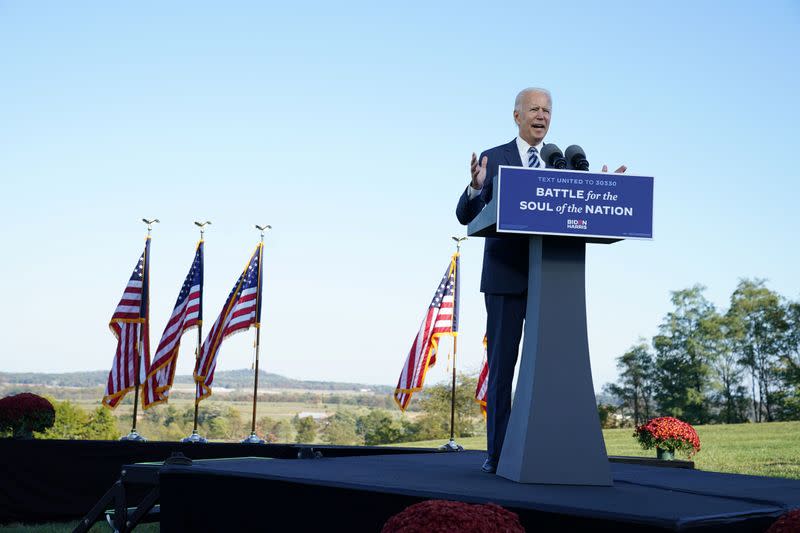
point(769, 449)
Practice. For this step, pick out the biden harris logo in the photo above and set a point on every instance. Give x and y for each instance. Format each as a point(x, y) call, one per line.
point(577, 223)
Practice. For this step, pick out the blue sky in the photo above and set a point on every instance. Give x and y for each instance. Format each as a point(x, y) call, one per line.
point(349, 128)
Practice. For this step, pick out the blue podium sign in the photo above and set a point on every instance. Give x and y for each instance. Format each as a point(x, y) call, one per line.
point(571, 203)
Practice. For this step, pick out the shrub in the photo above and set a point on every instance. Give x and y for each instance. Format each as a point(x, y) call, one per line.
point(22, 414)
point(788, 522)
point(443, 515)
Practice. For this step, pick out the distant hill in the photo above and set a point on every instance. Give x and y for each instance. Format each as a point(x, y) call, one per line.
point(229, 379)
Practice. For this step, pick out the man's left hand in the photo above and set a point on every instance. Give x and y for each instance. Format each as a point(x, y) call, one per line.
point(620, 170)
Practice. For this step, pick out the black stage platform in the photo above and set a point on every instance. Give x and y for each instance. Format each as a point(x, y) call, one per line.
point(59, 480)
point(360, 493)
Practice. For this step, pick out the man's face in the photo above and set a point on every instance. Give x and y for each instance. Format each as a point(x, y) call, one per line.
point(533, 117)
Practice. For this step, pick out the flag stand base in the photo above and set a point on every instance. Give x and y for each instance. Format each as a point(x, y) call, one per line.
point(451, 446)
point(253, 439)
point(134, 436)
point(195, 438)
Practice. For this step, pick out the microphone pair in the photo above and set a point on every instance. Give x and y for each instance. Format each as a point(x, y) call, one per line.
point(574, 159)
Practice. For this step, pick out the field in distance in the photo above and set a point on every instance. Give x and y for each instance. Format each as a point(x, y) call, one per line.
point(279, 397)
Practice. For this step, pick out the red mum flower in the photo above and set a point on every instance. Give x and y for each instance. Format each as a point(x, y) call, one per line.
point(668, 433)
point(26, 412)
point(788, 522)
point(442, 516)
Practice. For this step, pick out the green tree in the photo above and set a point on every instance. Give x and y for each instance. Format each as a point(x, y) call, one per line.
point(171, 415)
point(729, 396)
point(102, 425)
point(341, 429)
point(71, 421)
point(264, 425)
point(380, 427)
point(759, 328)
point(152, 415)
point(274, 430)
point(219, 421)
point(282, 431)
point(790, 364)
point(634, 387)
point(793, 335)
point(306, 429)
point(607, 418)
point(682, 358)
point(435, 405)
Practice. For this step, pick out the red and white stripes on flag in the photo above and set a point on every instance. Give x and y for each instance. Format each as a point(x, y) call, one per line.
point(130, 325)
point(441, 319)
point(242, 309)
point(186, 315)
point(483, 381)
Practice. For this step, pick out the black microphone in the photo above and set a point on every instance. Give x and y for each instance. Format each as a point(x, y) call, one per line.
point(553, 157)
point(576, 158)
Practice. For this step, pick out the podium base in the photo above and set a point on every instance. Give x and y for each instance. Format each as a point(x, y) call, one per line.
point(554, 434)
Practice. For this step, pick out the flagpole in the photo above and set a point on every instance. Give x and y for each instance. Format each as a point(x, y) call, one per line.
point(255, 382)
point(451, 445)
point(134, 435)
point(196, 437)
point(253, 438)
point(453, 393)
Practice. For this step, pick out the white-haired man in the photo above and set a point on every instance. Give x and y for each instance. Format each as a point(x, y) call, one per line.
point(504, 279)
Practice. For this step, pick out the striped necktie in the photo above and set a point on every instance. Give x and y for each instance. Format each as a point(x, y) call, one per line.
point(533, 158)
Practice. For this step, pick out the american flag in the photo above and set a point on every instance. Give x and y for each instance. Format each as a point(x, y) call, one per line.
point(483, 381)
point(131, 327)
point(187, 314)
point(242, 309)
point(441, 319)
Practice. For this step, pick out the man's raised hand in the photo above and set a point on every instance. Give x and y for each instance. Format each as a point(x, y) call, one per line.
point(478, 171)
point(620, 170)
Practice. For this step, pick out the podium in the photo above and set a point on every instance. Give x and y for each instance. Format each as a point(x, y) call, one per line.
point(554, 434)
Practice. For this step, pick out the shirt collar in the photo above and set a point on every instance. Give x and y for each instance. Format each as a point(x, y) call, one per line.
point(523, 145)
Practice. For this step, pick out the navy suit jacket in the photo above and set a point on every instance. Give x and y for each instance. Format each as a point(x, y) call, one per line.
point(505, 260)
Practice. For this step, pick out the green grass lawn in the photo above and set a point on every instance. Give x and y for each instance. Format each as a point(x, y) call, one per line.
point(770, 449)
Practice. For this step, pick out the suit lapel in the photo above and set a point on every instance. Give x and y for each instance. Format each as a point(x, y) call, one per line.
point(511, 153)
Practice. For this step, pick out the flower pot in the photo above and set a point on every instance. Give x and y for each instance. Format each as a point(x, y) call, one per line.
point(665, 455)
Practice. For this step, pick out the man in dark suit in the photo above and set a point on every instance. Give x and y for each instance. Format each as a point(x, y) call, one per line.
point(504, 280)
